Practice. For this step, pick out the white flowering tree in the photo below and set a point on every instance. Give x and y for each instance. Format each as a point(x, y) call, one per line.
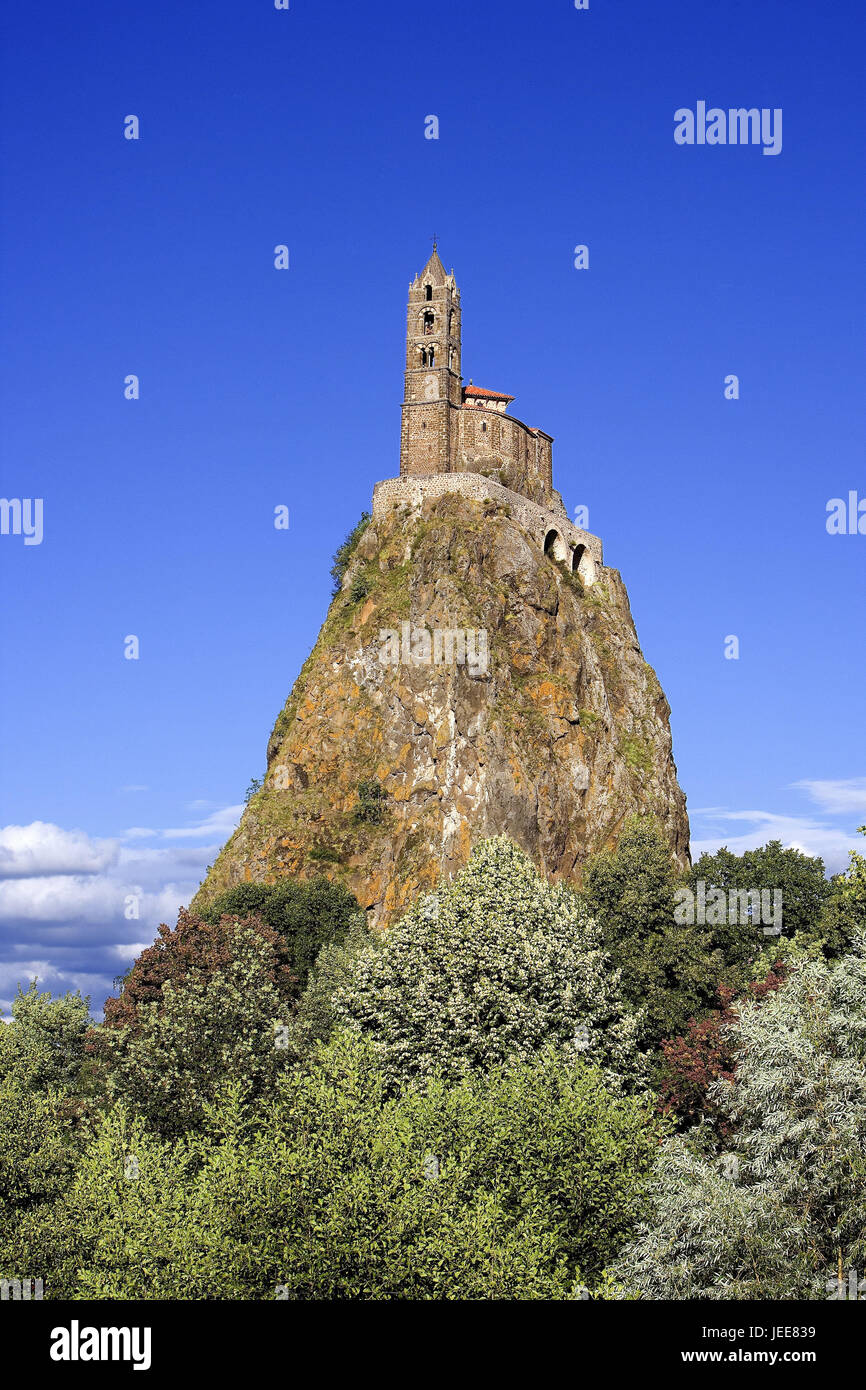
point(492, 968)
point(783, 1214)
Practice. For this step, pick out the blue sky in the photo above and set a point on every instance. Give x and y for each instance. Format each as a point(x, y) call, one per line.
point(262, 387)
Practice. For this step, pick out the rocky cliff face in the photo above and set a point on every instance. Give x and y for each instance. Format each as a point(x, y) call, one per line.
point(385, 767)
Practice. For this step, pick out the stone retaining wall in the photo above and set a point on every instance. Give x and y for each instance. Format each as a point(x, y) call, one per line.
point(552, 528)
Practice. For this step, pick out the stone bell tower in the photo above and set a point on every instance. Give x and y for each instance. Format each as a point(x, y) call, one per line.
point(433, 394)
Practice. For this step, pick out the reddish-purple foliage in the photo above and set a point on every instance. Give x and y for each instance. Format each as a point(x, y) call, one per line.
point(705, 1054)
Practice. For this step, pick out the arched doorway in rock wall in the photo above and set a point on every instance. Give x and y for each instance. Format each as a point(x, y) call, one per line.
point(583, 565)
point(555, 546)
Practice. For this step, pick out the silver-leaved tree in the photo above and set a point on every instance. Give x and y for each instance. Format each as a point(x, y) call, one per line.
point(783, 1214)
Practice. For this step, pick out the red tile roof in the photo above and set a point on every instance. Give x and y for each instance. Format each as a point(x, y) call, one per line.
point(480, 391)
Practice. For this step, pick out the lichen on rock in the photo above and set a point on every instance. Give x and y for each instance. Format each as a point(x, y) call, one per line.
point(554, 740)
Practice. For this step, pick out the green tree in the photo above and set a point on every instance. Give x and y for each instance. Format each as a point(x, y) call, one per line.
point(308, 914)
point(207, 1029)
point(666, 967)
point(47, 1103)
point(797, 876)
point(514, 1185)
point(44, 1046)
point(496, 965)
point(844, 913)
point(345, 552)
point(316, 1014)
point(255, 785)
point(40, 1138)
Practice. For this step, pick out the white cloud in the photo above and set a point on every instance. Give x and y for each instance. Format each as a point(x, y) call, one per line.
point(97, 902)
point(796, 832)
point(130, 950)
point(70, 929)
point(23, 971)
point(64, 897)
point(843, 796)
point(60, 898)
point(153, 867)
point(221, 823)
point(42, 848)
point(48, 874)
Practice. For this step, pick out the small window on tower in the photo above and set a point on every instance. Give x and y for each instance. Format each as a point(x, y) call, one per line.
point(428, 321)
point(484, 425)
point(428, 291)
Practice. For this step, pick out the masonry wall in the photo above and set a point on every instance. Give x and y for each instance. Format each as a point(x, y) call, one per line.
point(487, 439)
point(438, 437)
point(539, 521)
point(426, 439)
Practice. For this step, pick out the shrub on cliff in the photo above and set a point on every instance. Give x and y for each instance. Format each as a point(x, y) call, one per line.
point(496, 965)
point(344, 553)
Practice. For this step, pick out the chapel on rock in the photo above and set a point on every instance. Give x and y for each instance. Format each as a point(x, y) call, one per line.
point(457, 438)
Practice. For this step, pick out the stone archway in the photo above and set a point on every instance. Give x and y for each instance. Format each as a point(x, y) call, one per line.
point(555, 546)
point(583, 565)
